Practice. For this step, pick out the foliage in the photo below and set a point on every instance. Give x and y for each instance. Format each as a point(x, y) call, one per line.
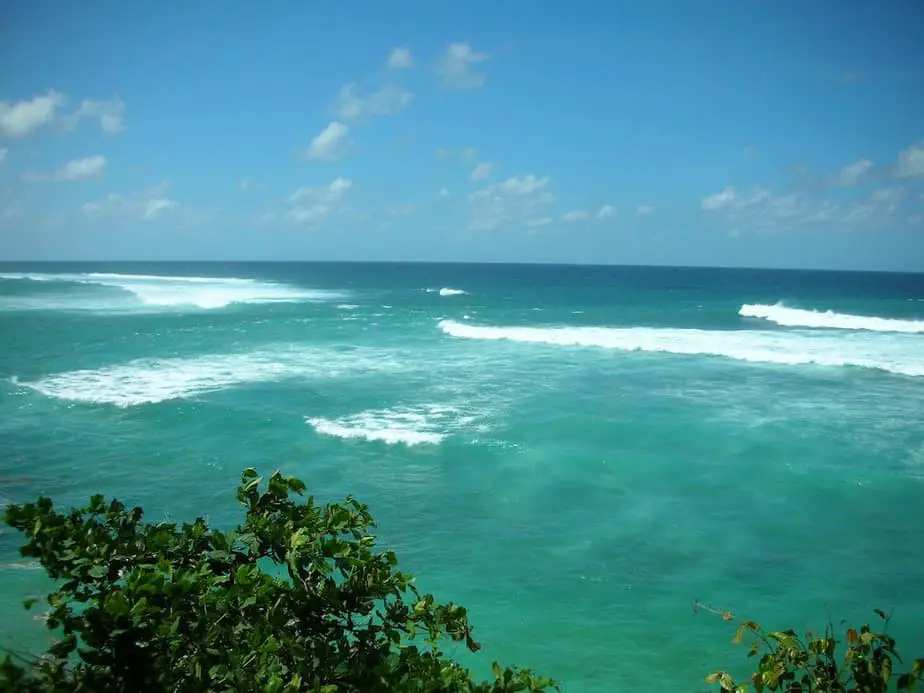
point(295, 599)
point(814, 665)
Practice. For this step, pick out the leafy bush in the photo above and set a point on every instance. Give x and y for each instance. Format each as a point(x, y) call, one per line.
point(295, 599)
point(814, 665)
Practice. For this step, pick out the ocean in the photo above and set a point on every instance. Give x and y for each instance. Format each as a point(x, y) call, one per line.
point(576, 454)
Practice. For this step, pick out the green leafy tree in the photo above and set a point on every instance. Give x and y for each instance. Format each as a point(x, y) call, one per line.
point(815, 664)
point(295, 599)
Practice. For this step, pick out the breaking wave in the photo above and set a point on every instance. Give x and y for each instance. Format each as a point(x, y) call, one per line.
point(155, 291)
point(148, 381)
point(424, 425)
point(797, 317)
point(447, 291)
point(897, 354)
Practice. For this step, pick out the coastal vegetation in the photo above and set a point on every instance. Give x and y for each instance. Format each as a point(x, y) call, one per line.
point(298, 598)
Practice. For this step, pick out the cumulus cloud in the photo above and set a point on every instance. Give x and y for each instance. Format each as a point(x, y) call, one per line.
point(389, 99)
point(457, 68)
point(314, 206)
point(20, 119)
point(148, 205)
point(645, 210)
point(606, 212)
point(482, 170)
point(329, 143)
point(575, 215)
point(400, 59)
point(78, 169)
point(518, 202)
point(852, 174)
point(109, 113)
point(911, 162)
point(444, 193)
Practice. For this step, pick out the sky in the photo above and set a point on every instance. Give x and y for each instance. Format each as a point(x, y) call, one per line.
point(756, 133)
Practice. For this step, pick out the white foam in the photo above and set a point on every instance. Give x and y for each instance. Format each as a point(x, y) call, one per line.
point(898, 354)
point(447, 291)
point(148, 381)
point(796, 317)
point(176, 291)
point(423, 425)
point(347, 306)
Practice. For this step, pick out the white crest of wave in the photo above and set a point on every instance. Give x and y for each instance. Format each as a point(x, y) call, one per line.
point(447, 291)
point(148, 381)
point(429, 424)
point(797, 317)
point(178, 291)
point(898, 354)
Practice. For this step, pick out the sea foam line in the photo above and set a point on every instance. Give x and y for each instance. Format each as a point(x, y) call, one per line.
point(894, 353)
point(149, 381)
point(797, 317)
point(178, 291)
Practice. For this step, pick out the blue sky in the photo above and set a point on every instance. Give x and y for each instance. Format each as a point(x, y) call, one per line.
point(723, 132)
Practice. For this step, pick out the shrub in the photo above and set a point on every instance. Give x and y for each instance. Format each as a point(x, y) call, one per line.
point(295, 599)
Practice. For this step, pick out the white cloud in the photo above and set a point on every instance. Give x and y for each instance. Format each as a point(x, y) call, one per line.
point(606, 212)
point(24, 118)
point(762, 211)
point(469, 154)
point(245, 184)
point(645, 210)
point(148, 205)
point(457, 66)
point(444, 193)
point(576, 215)
point(852, 174)
point(482, 170)
point(388, 100)
point(911, 162)
point(78, 169)
point(110, 115)
point(314, 206)
point(721, 200)
point(328, 144)
point(880, 206)
point(400, 59)
point(518, 202)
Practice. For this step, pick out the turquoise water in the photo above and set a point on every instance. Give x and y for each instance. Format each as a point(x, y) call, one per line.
point(574, 453)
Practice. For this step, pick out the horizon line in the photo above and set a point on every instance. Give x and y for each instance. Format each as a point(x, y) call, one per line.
point(470, 263)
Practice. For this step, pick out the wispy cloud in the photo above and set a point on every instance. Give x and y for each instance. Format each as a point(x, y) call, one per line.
point(911, 162)
point(482, 170)
point(575, 216)
point(400, 59)
point(516, 203)
point(148, 205)
point(457, 67)
point(315, 206)
point(78, 169)
point(329, 143)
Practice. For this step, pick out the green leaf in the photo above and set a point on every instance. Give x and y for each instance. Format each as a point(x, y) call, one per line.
point(117, 604)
